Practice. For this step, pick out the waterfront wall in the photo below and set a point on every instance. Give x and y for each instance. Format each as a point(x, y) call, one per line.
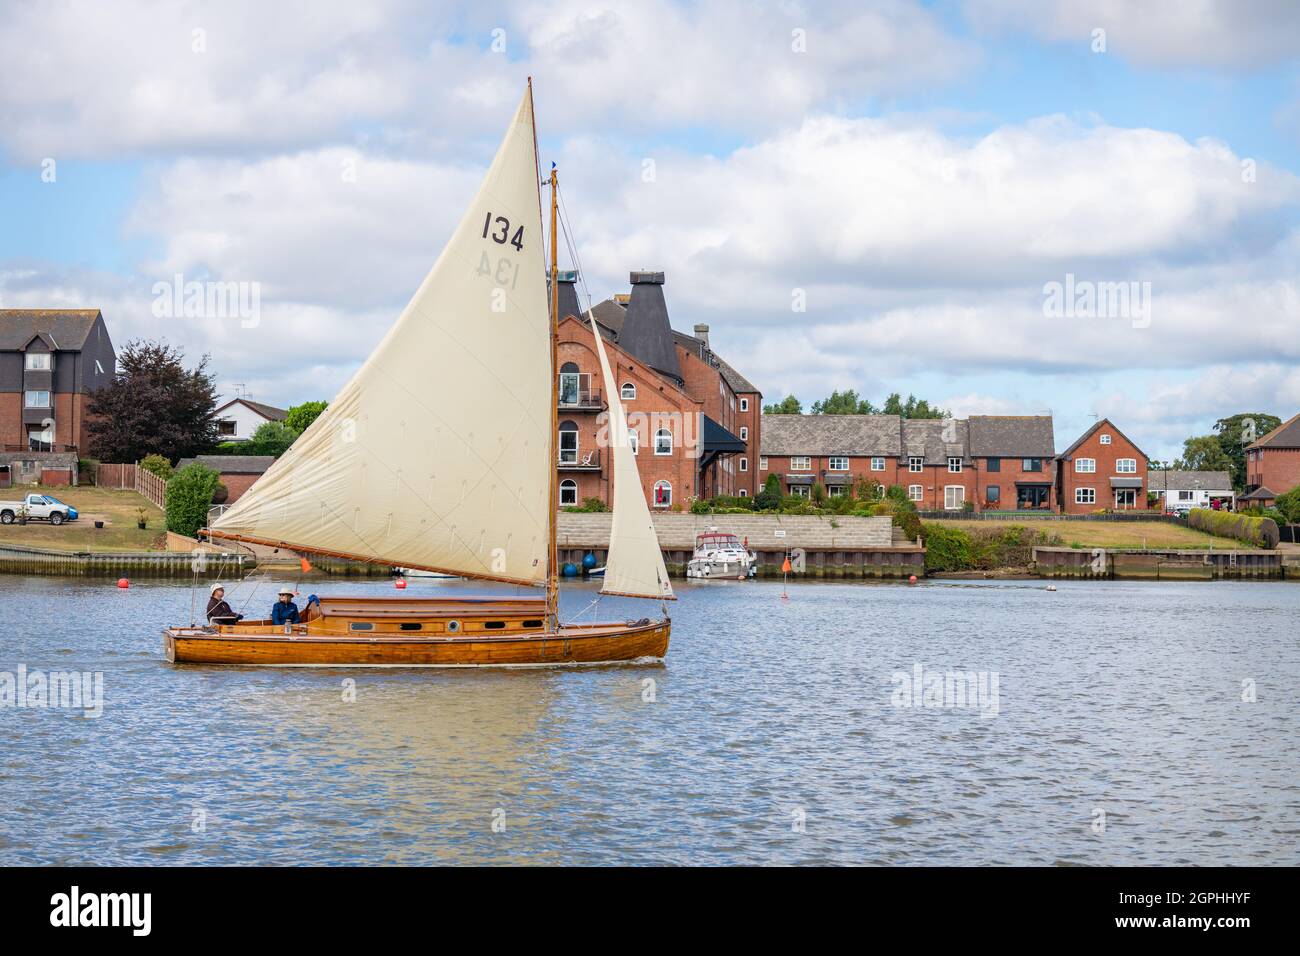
point(1162, 565)
point(842, 546)
point(16, 560)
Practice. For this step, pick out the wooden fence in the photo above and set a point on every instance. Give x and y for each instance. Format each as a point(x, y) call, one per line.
point(151, 486)
point(125, 477)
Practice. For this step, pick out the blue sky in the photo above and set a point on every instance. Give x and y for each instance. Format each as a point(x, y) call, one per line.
point(919, 171)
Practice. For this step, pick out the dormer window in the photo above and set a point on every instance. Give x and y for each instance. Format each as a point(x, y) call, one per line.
point(39, 361)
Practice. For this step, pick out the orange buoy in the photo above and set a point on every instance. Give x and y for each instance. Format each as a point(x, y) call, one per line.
point(400, 583)
point(912, 579)
point(123, 583)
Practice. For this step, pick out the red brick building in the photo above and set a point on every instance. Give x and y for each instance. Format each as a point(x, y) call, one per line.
point(995, 462)
point(696, 421)
point(238, 472)
point(1273, 464)
point(1102, 471)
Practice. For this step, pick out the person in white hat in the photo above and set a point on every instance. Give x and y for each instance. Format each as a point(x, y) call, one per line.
point(284, 611)
point(219, 612)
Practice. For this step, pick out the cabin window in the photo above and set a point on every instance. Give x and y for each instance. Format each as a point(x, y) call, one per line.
point(954, 465)
point(453, 627)
point(915, 463)
point(914, 492)
point(1085, 496)
point(39, 361)
point(568, 443)
point(568, 492)
point(360, 626)
point(411, 626)
point(663, 442)
point(494, 625)
point(627, 392)
point(663, 494)
point(1085, 466)
point(838, 463)
point(1127, 466)
point(877, 464)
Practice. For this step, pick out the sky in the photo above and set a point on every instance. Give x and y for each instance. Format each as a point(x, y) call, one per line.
point(888, 196)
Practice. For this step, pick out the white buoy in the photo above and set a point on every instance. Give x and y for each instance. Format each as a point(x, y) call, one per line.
point(1051, 587)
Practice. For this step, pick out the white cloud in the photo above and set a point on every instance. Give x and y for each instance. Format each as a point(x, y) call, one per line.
point(1163, 33)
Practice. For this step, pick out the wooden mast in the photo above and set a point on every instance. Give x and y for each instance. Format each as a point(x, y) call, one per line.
point(552, 556)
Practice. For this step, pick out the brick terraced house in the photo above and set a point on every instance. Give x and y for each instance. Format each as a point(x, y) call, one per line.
point(695, 421)
point(1102, 470)
point(1273, 464)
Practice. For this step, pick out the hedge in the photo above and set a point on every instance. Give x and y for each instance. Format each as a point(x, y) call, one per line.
point(1261, 532)
point(947, 549)
point(189, 496)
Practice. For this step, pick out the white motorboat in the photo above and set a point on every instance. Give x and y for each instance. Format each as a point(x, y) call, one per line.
point(720, 556)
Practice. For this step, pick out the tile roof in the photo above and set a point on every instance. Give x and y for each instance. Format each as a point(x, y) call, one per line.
point(925, 437)
point(1084, 437)
point(1012, 436)
point(232, 464)
point(266, 411)
point(695, 346)
point(830, 435)
point(66, 329)
point(1189, 481)
point(1260, 493)
point(1286, 435)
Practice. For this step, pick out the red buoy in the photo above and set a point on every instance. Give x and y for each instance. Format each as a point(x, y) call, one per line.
point(912, 579)
point(123, 583)
point(400, 583)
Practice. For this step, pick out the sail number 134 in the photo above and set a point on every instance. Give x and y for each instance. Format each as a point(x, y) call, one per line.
point(498, 229)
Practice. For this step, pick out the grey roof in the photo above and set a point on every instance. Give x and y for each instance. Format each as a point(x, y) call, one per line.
point(925, 437)
point(1286, 435)
point(266, 411)
point(65, 329)
point(611, 315)
point(717, 438)
point(859, 435)
point(1012, 436)
point(696, 346)
point(568, 298)
point(232, 464)
point(1260, 493)
point(646, 334)
point(1189, 481)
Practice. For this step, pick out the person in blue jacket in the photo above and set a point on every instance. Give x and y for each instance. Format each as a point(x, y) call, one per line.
point(284, 611)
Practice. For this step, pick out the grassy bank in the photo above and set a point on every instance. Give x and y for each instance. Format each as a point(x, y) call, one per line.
point(117, 509)
point(1107, 534)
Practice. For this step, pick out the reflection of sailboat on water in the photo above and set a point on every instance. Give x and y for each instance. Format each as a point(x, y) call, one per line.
point(440, 455)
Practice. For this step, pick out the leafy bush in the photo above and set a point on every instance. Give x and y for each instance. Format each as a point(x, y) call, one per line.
point(903, 513)
point(1288, 505)
point(189, 496)
point(157, 465)
point(818, 494)
point(300, 417)
point(588, 506)
point(769, 499)
point(87, 471)
point(1261, 532)
point(271, 438)
point(947, 549)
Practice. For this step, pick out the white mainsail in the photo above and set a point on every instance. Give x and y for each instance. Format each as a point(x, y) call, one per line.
point(438, 453)
point(634, 566)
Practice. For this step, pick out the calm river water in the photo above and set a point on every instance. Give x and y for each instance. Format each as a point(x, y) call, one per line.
point(1117, 734)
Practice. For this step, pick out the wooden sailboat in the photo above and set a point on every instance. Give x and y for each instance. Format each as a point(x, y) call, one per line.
point(440, 455)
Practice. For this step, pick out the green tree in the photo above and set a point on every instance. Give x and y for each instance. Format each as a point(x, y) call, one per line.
point(1204, 453)
point(1289, 505)
point(301, 416)
point(158, 465)
point(153, 404)
point(189, 496)
point(787, 406)
point(769, 499)
point(843, 403)
point(271, 438)
point(912, 408)
point(1236, 432)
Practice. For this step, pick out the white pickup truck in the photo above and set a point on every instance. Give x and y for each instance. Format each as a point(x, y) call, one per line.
point(37, 508)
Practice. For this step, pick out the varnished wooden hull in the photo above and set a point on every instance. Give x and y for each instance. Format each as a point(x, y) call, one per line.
point(584, 644)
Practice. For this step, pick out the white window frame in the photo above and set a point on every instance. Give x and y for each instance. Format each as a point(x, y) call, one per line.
point(744, 433)
point(654, 496)
point(744, 464)
point(624, 389)
point(1085, 496)
point(33, 366)
point(27, 398)
point(915, 464)
point(801, 491)
point(915, 493)
point(877, 464)
point(960, 496)
point(743, 493)
point(831, 466)
point(801, 463)
point(1105, 439)
point(744, 407)
point(1186, 495)
point(954, 465)
point(762, 463)
point(1085, 466)
point(568, 484)
point(634, 440)
point(1121, 470)
point(660, 435)
point(577, 446)
point(1126, 492)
